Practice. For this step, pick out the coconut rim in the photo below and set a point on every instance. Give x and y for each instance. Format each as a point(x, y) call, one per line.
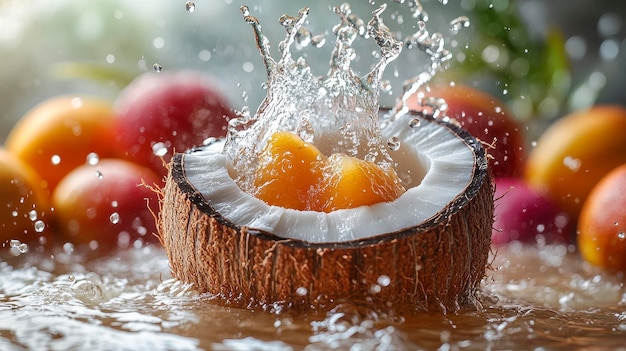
point(479, 174)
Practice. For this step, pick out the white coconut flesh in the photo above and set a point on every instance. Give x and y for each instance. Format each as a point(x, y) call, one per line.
point(436, 164)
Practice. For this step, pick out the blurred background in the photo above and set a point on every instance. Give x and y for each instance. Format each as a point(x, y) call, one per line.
point(543, 58)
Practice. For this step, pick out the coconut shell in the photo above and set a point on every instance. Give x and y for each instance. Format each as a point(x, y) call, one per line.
point(437, 264)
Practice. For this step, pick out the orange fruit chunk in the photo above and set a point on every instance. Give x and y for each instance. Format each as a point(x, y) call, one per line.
point(289, 169)
point(295, 174)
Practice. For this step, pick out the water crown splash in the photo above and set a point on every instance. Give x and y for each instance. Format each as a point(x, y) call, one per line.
point(337, 112)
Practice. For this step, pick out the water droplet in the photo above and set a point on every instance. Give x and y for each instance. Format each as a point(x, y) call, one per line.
point(302, 291)
point(414, 123)
point(68, 248)
point(305, 131)
point(157, 67)
point(23, 248)
point(93, 159)
point(190, 6)
point(114, 218)
point(40, 226)
point(55, 159)
point(384, 280)
point(159, 149)
point(99, 175)
point(114, 204)
point(572, 163)
point(32, 214)
point(15, 243)
point(393, 143)
point(71, 278)
point(621, 235)
point(459, 23)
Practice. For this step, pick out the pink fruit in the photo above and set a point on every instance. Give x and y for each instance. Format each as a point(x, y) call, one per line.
point(162, 113)
point(522, 214)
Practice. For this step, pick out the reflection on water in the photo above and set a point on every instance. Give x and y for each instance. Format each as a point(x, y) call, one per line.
point(532, 299)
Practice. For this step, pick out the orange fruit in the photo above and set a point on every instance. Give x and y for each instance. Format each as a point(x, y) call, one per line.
point(574, 153)
point(602, 223)
point(24, 210)
point(295, 174)
point(58, 134)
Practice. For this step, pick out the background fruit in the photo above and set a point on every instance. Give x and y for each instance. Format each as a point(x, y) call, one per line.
point(57, 135)
point(602, 224)
point(24, 210)
point(574, 153)
point(521, 214)
point(106, 203)
point(159, 113)
point(486, 118)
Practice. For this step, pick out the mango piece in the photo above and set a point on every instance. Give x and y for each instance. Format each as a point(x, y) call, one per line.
point(288, 172)
point(295, 174)
point(351, 182)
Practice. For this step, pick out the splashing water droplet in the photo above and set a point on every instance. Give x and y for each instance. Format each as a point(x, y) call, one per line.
point(40, 226)
point(68, 248)
point(459, 23)
point(393, 143)
point(159, 149)
point(157, 67)
point(55, 159)
point(93, 159)
point(414, 123)
point(383, 280)
point(190, 6)
point(23, 248)
point(114, 218)
point(306, 132)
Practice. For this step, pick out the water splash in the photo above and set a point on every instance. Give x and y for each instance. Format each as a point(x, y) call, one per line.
point(337, 112)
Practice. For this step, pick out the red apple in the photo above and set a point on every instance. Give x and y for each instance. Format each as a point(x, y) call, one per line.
point(522, 214)
point(484, 117)
point(107, 205)
point(160, 113)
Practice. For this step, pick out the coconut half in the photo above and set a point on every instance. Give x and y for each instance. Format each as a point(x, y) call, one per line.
point(426, 250)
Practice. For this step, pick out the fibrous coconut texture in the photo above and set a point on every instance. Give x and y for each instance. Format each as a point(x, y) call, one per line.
point(435, 265)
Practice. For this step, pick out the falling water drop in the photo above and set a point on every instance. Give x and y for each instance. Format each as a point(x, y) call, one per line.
point(393, 143)
point(68, 248)
point(157, 67)
point(459, 23)
point(40, 226)
point(55, 159)
point(190, 6)
point(159, 149)
point(114, 218)
point(93, 159)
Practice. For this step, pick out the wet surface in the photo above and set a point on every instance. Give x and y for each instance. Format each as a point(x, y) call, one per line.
point(532, 299)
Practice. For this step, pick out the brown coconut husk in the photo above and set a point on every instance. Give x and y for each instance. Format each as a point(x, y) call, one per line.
point(437, 264)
